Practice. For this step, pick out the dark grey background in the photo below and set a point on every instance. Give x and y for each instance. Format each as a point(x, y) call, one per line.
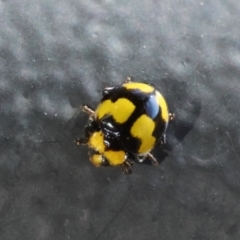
point(56, 55)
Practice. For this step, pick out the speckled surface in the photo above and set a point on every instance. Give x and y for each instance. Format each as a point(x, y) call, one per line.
point(57, 55)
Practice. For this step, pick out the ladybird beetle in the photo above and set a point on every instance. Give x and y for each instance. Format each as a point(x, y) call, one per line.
point(126, 125)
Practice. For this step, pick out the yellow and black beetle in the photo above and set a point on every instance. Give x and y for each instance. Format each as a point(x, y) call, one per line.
point(126, 125)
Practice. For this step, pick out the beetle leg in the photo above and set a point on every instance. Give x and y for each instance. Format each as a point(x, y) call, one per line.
point(88, 110)
point(171, 116)
point(141, 158)
point(126, 169)
point(128, 79)
point(152, 159)
point(163, 139)
point(126, 166)
point(81, 141)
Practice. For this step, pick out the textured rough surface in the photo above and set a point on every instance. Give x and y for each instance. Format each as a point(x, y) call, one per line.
point(57, 55)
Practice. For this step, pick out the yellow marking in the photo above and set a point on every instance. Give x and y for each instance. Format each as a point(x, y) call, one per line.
point(141, 86)
point(96, 142)
point(96, 160)
point(143, 129)
point(164, 108)
point(120, 110)
point(115, 157)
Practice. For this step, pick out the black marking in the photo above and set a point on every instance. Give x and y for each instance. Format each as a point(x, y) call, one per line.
point(91, 127)
point(107, 123)
point(118, 135)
